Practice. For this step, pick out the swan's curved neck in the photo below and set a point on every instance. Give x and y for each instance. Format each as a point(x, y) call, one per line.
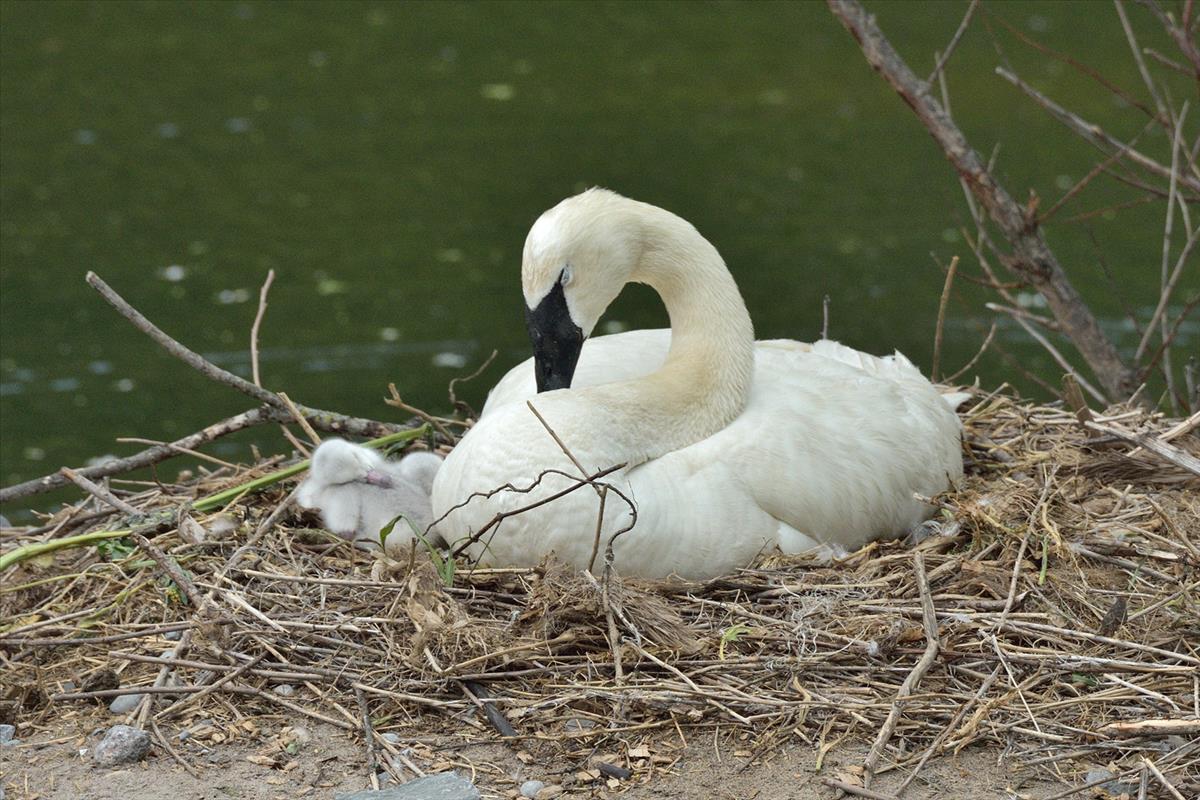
point(704, 383)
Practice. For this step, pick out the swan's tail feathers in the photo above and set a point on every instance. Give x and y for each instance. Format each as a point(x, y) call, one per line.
point(956, 399)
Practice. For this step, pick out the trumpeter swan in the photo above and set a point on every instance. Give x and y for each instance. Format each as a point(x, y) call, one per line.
point(730, 447)
point(359, 492)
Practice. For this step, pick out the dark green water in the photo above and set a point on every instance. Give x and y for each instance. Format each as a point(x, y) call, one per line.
point(387, 160)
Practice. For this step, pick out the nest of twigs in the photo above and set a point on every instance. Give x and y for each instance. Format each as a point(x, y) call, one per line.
point(1062, 576)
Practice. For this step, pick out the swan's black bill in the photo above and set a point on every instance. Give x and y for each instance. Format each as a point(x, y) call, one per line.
point(556, 341)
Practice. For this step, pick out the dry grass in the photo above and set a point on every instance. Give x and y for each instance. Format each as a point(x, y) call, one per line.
point(1063, 573)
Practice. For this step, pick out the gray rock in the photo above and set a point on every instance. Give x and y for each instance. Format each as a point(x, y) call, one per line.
point(1112, 786)
point(391, 738)
point(173, 636)
point(121, 745)
point(531, 788)
point(284, 690)
point(442, 786)
point(125, 703)
point(7, 732)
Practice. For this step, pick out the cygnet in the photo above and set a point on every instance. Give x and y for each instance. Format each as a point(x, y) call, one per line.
point(358, 492)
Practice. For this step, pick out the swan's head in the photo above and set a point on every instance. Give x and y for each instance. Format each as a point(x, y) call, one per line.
point(577, 258)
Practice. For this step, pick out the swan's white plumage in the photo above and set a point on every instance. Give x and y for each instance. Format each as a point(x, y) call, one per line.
point(816, 447)
point(358, 492)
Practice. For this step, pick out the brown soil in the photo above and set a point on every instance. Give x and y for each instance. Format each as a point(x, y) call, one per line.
point(53, 768)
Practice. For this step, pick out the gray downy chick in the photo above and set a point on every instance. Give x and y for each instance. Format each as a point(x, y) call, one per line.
point(358, 492)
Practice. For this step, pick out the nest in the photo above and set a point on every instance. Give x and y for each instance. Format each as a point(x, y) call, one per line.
point(1052, 609)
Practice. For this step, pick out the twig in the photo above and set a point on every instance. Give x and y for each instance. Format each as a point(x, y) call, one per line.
point(396, 402)
point(589, 480)
point(599, 526)
point(1165, 296)
point(208, 689)
point(857, 791)
point(1162, 779)
point(1093, 133)
point(954, 40)
point(941, 315)
point(145, 458)
point(184, 354)
point(316, 417)
point(368, 731)
point(172, 570)
point(1136, 50)
point(1058, 357)
point(987, 340)
point(165, 744)
point(258, 318)
point(479, 695)
point(825, 317)
point(561, 446)
point(950, 727)
point(1102, 166)
point(100, 493)
point(457, 404)
point(1151, 727)
point(932, 645)
point(301, 421)
point(1179, 458)
point(1182, 37)
point(1083, 68)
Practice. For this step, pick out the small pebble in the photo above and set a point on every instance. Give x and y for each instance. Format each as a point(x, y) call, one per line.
point(284, 690)
point(121, 745)
point(530, 789)
point(6, 733)
point(391, 738)
point(125, 703)
point(173, 636)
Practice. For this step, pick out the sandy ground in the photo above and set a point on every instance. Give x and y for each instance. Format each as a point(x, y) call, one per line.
point(52, 768)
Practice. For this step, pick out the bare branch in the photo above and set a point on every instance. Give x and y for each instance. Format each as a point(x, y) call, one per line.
point(1179, 34)
point(258, 318)
point(1137, 57)
point(145, 458)
point(954, 40)
point(1161, 117)
point(1093, 133)
point(184, 354)
point(941, 319)
point(1031, 257)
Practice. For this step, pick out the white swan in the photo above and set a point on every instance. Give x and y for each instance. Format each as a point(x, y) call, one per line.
point(731, 447)
point(358, 492)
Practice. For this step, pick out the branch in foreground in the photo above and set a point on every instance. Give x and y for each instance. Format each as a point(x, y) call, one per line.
point(326, 421)
point(1031, 257)
point(184, 354)
point(145, 458)
point(318, 418)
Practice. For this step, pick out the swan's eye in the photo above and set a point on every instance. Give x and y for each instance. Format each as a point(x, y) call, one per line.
point(565, 277)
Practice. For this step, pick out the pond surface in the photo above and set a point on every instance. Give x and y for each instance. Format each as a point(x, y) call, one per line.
point(387, 160)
